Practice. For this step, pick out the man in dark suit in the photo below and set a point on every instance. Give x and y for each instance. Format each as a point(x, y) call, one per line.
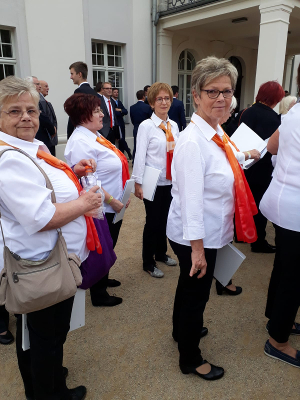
point(78, 74)
point(50, 113)
point(138, 113)
point(47, 130)
point(146, 90)
point(120, 112)
point(176, 112)
point(110, 129)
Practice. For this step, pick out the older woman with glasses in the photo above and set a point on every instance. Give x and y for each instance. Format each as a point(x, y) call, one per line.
point(156, 139)
point(208, 187)
point(30, 221)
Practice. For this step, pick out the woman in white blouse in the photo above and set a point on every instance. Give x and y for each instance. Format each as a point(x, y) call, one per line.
point(205, 176)
point(112, 171)
point(30, 222)
point(154, 149)
point(281, 205)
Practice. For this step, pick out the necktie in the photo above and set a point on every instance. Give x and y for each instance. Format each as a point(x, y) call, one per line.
point(110, 114)
point(170, 147)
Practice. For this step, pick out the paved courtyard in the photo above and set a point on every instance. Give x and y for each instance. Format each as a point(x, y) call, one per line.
point(127, 352)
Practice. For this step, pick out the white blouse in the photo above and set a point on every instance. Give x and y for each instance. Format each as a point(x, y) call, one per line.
point(203, 189)
point(26, 206)
point(281, 202)
point(151, 149)
point(83, 144)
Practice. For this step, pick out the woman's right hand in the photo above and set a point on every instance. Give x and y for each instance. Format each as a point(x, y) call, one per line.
point(255, 154)
point(116, 205)
point(91, 200)
point(138, 191)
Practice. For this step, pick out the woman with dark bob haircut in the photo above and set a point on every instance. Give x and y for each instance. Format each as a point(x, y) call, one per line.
point(112, 170)
point(263, 120)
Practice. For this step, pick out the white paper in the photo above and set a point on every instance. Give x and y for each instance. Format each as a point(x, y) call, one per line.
point(129, 185)
point(246, 139)
point(150, 180)
point(77, 318)
point(229, 258)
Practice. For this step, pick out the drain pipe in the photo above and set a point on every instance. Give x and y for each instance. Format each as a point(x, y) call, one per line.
point(155, 18)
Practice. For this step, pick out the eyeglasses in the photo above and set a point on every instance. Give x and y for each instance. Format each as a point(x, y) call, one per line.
point(107, 88)
point(214, 93)
point(159, 100)
point(33, 113)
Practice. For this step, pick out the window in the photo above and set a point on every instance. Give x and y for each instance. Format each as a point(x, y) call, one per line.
point(7, 60)
point(108, 65)
point(186, 63)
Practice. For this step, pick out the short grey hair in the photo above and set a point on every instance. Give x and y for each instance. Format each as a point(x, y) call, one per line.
point(210, 68)
point(285, 104)
point(13, 86)
point(233, 104)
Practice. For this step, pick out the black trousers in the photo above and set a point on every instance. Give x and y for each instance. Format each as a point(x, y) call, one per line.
point(123, 146)
point(283, 295)
point(52, 150)
point(260, 220)
point(4, 319)
point(154, 236)
point(191, 297)
point(41, 365)
point(98, 290)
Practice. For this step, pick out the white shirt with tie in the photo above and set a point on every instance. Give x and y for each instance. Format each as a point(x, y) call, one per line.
point(107, 101)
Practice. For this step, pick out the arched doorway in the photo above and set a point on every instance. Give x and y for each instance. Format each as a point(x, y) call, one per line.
point(238, 90)
point(186, 64)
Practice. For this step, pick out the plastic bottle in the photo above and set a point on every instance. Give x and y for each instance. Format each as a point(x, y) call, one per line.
point(88, 181)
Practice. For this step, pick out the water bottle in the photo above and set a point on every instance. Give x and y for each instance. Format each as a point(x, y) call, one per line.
point(88, 181)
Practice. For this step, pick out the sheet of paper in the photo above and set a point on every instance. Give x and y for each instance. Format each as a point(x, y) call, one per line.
point(229, 258)
point(150, 180)
point(246, 139)
point(129, 185)
point(77, 318)
point(78, 311)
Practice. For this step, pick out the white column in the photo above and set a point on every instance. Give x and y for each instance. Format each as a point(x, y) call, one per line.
point(272, 42)
point(164, 56)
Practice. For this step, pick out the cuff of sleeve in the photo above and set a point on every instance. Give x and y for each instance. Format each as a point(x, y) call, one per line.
point(193, 232)
point(137, 179)
point(241, 157)
point(45, 216)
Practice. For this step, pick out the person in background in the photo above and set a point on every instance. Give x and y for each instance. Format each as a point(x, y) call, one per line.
point(139, 112)
point(110, 128)
point(50, 113)
point(32, 234)
point(146, 93)
point(155, 145)
point(99, 89)
point(280, 204)
point(263, 120)
point(112, 171)
point(176, 112)
point(286, 104)
point(208, 187)
point(78, 74)
point(120, 113)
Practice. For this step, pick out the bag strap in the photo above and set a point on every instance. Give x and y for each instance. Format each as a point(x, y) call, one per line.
point(241, 116)
point(48, 182)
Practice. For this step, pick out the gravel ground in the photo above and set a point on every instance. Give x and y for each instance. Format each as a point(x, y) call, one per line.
point(127, 352)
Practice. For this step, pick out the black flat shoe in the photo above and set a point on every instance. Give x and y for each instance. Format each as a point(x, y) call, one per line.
point(204, 332)
point(263, 247)
point(109, 301)
point(7, 338)
point(214, 374)
point(220, 289)
point(78, 393)
point(113, 283)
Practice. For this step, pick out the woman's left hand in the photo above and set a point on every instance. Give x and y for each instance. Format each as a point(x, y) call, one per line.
point(127, 204)
point(80, 170)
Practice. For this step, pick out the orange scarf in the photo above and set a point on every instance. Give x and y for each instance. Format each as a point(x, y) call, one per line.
point(170, 147)
point(123, 159)
point(245, 206)
point(92, 239)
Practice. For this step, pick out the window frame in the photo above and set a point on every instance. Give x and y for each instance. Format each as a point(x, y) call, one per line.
point(8, 60)
point(184, 75)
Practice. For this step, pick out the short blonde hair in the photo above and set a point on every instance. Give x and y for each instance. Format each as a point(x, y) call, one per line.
point(155, 89)
point(285, 104)
point(13, 86)
point(210, 68)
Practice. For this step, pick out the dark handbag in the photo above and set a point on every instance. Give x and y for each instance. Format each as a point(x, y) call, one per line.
point(96, 266)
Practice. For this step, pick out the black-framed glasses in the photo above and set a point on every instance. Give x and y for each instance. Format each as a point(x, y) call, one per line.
point(214, 93)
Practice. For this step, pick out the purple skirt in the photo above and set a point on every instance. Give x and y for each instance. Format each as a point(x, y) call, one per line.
point(96, 266)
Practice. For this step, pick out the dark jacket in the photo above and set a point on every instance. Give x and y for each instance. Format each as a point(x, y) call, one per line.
point(106, 119)
point(120, 115)
point(264, 121)
point(138, 113)
point(46, 130)
point(84, 88)
point(177, 113)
